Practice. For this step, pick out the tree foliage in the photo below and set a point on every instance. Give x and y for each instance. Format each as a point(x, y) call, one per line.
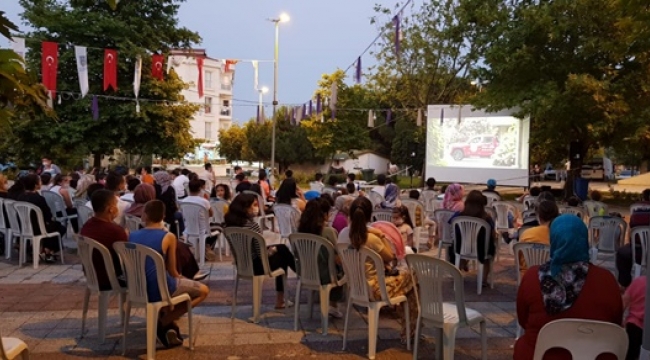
point(233, 144)
point(135, 28)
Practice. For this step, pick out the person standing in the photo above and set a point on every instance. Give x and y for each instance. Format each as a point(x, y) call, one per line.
point(49, 167)
point(208, 176)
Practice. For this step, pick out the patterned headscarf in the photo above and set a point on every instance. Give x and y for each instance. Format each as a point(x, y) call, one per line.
point(453, 199)
point(163, 179)
point(564, 275)
point(390, 196)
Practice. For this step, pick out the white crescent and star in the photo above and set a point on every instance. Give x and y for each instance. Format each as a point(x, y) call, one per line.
point(50, 59)
point(158, 65)
point(109, 57)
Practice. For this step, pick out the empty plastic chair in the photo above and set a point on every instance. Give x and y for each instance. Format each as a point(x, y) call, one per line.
point(12, 348)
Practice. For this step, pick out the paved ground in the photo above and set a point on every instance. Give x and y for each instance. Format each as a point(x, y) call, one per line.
point(43, 307)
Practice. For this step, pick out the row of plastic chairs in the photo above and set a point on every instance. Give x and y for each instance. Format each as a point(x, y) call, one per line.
point(20, 227)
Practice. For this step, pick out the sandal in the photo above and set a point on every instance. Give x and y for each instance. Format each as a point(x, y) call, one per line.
point(286, 304)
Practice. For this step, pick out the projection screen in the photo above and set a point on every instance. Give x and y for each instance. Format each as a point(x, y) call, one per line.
point(472, 146)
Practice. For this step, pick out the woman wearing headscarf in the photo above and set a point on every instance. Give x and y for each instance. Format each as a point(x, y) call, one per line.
point(142, 194)
point(453, 199)
point(165, 192)
point(567, 286)
point(391, 195)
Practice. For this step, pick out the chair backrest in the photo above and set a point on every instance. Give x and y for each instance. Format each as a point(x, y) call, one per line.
point(375, 198)
point(54, 202)
point(3, 225)
point(132, 222)
point(608, 232)
point(83, 214)
point(307, 249)
point(218, 211)
point(12, 215)
point(574, 210)
point(354, 266)
point(429, 199)
point(134, 259)
point(430, 274)
point(529, 202)
point(86, 247)
point(444, 228)
point(382, 215)
point(594, 208)
point(639, 207)
point(491, 197)
point(344, 236)
point(534, 254)
point(24, 210)
point(642, 235)
point(246, 245)
point(469, 228)
point(491, 212)
point(584, 339)
point(193, 214)
point(412, 205)
point(502, 208)
point(288, 219)
point(316, 186)
point(77, 202)
point(528, 213)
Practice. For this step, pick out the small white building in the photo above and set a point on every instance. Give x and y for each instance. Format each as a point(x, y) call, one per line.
point(216, 103)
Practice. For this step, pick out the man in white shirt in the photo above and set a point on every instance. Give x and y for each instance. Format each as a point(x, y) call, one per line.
point(208, 176)
point(381, 185)
point(180, 182)
point(196, 197)
point(130, 188)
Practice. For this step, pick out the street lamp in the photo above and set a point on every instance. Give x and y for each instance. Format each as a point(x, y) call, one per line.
point(479, 83)
point(263, 90)
point(283, 18)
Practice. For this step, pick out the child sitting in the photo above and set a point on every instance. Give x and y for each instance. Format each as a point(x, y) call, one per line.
point(402, 220)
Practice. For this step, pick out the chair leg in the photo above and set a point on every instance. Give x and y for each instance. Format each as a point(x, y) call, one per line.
point(416, 340)
point(345, 323)
point(373, 325)
point(201, 241)
point(440, 341)
point(479, 281)
point(449, 342)
point(324, 308)
point(8, 241)
point(62, 249)
point(152, 327)
point(407, 315)
point(122, 300)
point(84, 312)
point(234, 297)
point(102, 310)
point(36, 248)
point(483, 341)
point(310, 304)
point(257, 297)
point(127, 317)
point(190, 324)
point(296, 311)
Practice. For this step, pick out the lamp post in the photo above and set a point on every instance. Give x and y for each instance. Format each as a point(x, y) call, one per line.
point(263, 90)
point(479, 83)
point(281, 19)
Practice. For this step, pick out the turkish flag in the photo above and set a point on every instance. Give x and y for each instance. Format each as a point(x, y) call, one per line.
point(157, 66)
point(110, 69)
point(229, 63)
point(199, 63)
point(49, 64)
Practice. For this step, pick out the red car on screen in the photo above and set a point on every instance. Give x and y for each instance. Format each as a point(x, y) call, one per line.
point(477, 146)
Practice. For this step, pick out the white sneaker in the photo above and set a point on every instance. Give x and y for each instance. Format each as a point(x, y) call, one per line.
point(335, 313)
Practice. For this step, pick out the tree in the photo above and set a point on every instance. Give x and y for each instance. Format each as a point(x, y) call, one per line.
point(233, 144)
point(162, 126)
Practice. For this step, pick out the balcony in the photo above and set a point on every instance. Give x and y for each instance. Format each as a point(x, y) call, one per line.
point(226, 111)
point(225, 87)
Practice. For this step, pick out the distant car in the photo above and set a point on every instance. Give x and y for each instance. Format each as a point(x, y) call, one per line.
point(550, 173)
point(477, 146)
point(626, 174)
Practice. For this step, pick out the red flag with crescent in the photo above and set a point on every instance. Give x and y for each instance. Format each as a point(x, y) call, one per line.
point(157, 62)
point(199, 64)
point(110, 69)
point(49, 64)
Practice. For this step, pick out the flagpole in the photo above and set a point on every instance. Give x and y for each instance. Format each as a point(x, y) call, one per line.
point(282, 18)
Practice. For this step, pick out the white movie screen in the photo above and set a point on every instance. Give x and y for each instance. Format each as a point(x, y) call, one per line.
point(468, 146)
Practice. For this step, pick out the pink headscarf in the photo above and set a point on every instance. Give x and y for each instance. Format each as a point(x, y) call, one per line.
point(393, 235)
point(453, 199)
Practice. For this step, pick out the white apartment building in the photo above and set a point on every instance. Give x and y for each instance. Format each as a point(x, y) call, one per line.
point(216, 103)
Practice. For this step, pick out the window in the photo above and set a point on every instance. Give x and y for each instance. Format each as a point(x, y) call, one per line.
point(226, 103)
point(208, 80)
point(208, 105)
point(208, 131)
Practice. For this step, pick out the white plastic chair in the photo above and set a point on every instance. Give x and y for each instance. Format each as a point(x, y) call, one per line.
point(14, 225)
point(430, 273)
point(84, 213)
point(134, 257)
point(307, 249)
point(529, 202)
point(354, 265)
point(642, 235)
point(382, 215)
point(491, 212)
point(603, 235)
point(11, 348)
point(57, 206)
point(316, 186)
point(288, 219)
point(639, 207)
point(24, 209)
point(5, 229)
point(469, 228)
point(594, 208)
point(574, 210)
point(218, 217)
point(245, 246)
point(77, 202)
point(491, 197)
point(429, 199)
point(502, 209)
point(420, 236)
point(344, 236)
point(534, 254)
point(444, 229)
point(195, 232)
point(132, 222)
point(584, 339)
point(375, 198)
point(86, 248)
point(412, 205)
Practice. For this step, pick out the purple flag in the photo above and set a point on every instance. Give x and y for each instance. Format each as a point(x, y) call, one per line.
point(304, 112)
point(318, 104)
point(95, 108)
point(293, 116)
point(311, 107)
point(358, 73)
point(396, 22)
point(442, 115)
point(389, 116)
